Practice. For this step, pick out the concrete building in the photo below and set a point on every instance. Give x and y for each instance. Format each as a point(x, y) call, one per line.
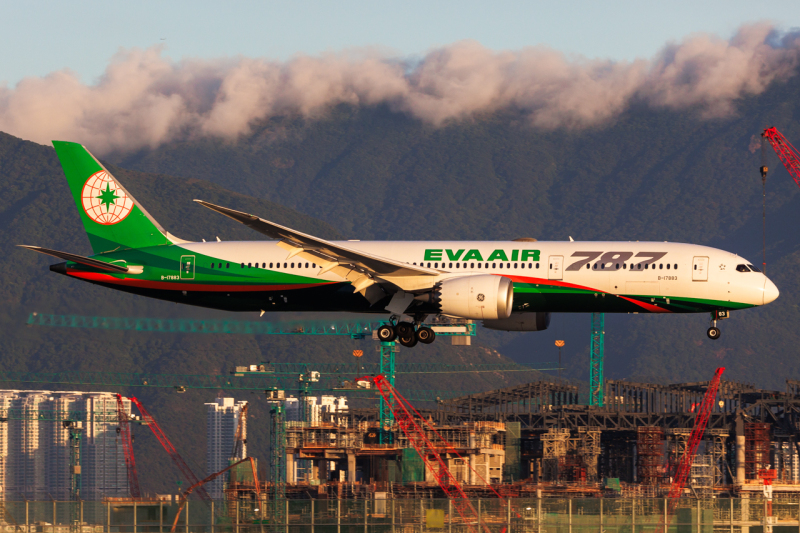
point(222, 420)
point(34, 445)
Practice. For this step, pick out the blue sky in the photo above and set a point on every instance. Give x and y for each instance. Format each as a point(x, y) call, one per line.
point(38, 37)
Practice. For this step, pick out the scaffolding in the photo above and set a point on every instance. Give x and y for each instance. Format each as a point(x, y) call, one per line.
point(757, 448)
point(649, 448)
point(554, 448)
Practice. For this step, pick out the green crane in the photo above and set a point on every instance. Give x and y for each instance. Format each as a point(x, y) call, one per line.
point(596, 355)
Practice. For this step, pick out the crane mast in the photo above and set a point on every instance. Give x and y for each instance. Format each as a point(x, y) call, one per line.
point(124, 431)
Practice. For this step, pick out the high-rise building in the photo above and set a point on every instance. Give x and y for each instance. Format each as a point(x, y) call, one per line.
point(222, 420)
point(34, 445)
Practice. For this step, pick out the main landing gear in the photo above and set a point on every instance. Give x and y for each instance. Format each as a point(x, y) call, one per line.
point(714, 332)
point(406, 333)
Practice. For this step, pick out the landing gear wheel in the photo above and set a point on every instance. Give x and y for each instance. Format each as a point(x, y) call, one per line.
point(713, 333)
point(409, 341)
point(386, 333)
point(425, 335)
point(404, 329)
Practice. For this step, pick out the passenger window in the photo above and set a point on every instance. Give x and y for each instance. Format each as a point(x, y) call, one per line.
point(695, 267)
point(623, 266)
point(450, 265)
point(306, 265)
point(537, 265)
point(515, 265)
point(472, 265)
point(617, 266)
point(436, 265)
point(228, 266)
point(501, 265)
point(292, 265)
point(285, 265)
point(742, 268)
point(220, 265)
point(212, 265)
point(603, 266)
point(661, 266)
point(242, 265)
point(588, 266)
point(270, 265)
point(313, 265)
point(667, 266)
point(676, 266)
point(479, 265)
point(457, 265)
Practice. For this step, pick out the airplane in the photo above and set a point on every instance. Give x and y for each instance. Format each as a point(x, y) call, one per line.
point(508, 285)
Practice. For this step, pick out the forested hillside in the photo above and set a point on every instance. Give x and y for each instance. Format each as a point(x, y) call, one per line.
point(647, 175)
point(37, 208)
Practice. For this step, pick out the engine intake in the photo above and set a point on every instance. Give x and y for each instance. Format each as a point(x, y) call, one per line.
point(538, 321)
point(481, 297)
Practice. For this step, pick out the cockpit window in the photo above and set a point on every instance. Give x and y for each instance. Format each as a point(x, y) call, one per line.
point(754, 269)
point(742, 268)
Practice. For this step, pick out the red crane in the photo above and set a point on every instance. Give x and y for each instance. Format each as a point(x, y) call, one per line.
point(787, 153)
point(417, 430)
point(124, 432)
point(187, 473)
point(200, 484)
point(685, 465)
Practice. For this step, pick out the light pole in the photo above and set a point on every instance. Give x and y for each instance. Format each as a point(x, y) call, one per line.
point(560, 344)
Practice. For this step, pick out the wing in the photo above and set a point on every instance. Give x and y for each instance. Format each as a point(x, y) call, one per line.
point(364, 270)
point(94, 263)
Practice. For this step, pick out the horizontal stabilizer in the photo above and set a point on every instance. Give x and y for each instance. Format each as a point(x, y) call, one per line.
point(94, 263)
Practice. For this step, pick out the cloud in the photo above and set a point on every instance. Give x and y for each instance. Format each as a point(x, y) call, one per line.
point(144, 99)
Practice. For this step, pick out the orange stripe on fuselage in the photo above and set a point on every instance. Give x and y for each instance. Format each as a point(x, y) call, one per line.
point(183, 286)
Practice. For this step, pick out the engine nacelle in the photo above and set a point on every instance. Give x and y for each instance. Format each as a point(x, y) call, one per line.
point(538, 321)
point(479, 297)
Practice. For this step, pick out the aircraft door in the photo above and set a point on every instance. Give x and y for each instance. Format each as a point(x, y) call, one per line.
point(187, 267)
point(700, 269)
point(556, 267)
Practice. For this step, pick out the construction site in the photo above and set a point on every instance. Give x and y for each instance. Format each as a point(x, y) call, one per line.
point(349, 451)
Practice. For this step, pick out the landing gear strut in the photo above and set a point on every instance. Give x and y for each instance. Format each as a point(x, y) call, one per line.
point(714, 332)
point(406, 333)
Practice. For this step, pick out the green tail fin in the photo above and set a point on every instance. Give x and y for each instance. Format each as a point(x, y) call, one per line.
point(112, 218)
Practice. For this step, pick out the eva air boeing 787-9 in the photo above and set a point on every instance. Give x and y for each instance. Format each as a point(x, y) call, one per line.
point(511, 285)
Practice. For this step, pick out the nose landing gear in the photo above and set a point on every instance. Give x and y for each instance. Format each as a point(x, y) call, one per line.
point(714, 332)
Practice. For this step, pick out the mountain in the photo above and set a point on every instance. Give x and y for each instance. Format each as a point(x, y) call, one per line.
point(650, 174)
point(36, 208)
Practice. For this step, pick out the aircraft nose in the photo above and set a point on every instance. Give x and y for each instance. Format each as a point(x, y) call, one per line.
point(771, 292)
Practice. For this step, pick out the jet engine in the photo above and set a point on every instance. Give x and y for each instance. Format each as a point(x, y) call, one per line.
point(538, 321)
point(478, 297)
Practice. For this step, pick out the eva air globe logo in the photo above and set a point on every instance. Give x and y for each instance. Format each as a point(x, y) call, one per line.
point(103, 200)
